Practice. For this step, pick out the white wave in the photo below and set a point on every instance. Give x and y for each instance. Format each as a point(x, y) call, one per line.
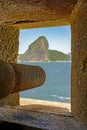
point(61, 97)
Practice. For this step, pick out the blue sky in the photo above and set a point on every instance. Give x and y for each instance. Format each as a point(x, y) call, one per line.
point(59, 38)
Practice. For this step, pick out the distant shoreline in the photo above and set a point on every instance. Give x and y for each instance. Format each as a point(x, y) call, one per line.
point(43, 61)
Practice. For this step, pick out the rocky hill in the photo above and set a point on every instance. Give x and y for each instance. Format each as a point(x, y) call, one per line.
point(38, 51)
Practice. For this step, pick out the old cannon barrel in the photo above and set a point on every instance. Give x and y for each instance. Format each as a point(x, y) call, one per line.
point(19, 77)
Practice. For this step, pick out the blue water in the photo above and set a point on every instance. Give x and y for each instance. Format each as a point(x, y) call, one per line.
point(57, 84)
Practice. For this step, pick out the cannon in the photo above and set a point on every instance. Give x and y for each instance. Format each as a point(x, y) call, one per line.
point(19, 77)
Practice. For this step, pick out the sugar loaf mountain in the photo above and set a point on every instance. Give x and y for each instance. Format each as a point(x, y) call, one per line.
point(39, 51)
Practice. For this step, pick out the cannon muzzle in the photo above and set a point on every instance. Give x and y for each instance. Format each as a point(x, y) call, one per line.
point(19, 77)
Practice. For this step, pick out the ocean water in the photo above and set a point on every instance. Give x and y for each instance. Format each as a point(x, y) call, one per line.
point(57, 85)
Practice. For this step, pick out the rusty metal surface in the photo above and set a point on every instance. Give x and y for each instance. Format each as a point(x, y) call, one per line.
point(17, 77)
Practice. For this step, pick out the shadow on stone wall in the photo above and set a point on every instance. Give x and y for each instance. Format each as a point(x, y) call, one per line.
point(9, 125)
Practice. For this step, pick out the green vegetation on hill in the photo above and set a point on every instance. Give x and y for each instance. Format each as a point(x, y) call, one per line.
point(54, 55)
point(58, 56)
point(21, 57)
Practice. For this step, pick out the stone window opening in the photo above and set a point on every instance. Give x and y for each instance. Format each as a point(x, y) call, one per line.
point(40, 102)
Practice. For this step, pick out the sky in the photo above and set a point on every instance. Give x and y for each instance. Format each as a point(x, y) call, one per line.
point(59, 38)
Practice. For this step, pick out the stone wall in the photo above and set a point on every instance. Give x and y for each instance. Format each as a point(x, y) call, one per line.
point(79, 64)
point(36, 13)
point(9, 37)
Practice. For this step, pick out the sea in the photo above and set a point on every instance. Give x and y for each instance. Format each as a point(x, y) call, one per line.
point(57, 86)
